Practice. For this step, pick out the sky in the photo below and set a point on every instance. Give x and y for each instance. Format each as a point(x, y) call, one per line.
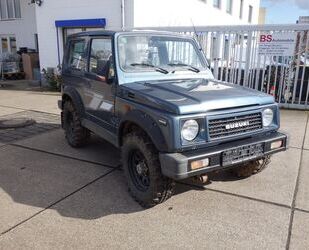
point(285, 11)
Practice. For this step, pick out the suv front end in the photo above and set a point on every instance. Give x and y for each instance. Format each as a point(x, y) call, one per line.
point(224, 140)
point(186, 123)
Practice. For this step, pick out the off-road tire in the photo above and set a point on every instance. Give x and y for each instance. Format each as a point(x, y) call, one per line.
point(160, 187)
point(76, 135)
point(251, 168)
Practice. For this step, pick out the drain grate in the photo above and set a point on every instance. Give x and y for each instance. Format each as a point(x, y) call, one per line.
point(43, 122)
point(16, 123)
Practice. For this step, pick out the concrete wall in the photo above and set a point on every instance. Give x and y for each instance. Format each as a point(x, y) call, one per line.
point(183, 12)
point(23, 29)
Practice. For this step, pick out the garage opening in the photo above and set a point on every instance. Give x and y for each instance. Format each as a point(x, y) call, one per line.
point(66, 28)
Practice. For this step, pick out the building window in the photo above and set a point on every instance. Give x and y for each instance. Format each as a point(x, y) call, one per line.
point(241, 9)
point(17, 8)
point(3, 9)
point(217, 3)
point(10, 9)
point(250, 14)
point(229, 6)
point(4, 45)
point(13, 46)
point(8, 44)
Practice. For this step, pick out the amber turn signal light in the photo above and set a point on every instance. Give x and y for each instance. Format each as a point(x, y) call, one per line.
point(199, 164)
point(276, 145)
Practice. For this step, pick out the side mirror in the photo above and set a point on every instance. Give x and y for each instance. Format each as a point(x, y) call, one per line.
point(108, 77)
point(105, 72)
point(100, 78)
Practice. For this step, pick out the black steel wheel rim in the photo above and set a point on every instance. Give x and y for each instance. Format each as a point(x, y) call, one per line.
point(139, 171)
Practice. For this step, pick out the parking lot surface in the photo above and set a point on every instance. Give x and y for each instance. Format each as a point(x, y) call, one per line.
point(54, 196)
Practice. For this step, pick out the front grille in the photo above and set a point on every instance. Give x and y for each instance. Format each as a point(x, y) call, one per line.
point(235, 125)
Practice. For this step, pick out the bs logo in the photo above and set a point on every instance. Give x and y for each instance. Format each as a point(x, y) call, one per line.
point(266, 38)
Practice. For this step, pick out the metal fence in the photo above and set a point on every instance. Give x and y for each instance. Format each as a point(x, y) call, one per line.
point(233, 53)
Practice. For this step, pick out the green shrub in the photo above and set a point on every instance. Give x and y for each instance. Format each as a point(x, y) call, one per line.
point(53, 79)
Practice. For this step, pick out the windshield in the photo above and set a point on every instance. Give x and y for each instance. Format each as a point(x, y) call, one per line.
point(163, 54)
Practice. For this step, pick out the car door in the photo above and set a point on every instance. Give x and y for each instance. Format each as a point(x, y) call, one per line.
point(101, 94)
point(75, 66)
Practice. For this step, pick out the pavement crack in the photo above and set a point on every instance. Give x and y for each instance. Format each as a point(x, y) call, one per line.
point(295, 147)
point(5, 106)
point(58, 201)
point(63, 156)
point(32, 110)
point(237, 195)
point(288, 242)
point(302, 210)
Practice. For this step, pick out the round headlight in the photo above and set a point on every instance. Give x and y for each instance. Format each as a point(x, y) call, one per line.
point(190, 130)
point(268, 116)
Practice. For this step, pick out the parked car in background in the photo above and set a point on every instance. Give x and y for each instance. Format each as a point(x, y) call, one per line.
point(288, 76)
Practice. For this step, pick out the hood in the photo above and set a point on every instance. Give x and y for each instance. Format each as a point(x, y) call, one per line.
point(190, 96)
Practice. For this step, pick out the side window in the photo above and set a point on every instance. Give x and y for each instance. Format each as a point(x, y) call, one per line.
point(77, 55)
point(101, 56)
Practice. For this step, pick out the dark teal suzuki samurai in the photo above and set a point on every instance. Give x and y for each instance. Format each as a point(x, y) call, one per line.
point(153, 95)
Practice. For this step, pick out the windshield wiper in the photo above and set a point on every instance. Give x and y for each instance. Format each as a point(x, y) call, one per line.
point(189, 67)
point(158, 69)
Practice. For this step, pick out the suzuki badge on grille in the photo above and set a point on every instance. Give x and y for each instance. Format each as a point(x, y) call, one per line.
point(237, 125)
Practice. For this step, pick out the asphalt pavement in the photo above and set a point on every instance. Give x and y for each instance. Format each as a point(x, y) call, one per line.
point(54, 196)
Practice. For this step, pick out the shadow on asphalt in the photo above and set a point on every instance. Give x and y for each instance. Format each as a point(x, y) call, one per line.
point(108, 196)
point(225, 176)
point(48, 187)
point(37, 183)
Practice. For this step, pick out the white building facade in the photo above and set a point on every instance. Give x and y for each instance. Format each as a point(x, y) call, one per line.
point(17, 25)
point(57, 18)
point(197, 12)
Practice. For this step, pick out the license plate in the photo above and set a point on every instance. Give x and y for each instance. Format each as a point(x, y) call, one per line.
point(241, 154)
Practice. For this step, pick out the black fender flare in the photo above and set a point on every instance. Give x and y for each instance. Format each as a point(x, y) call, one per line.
point(71, 93)
point(148, 124)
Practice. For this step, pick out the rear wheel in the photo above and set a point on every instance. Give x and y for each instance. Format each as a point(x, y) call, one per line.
point(142, 168)
point(75, 133)
point(251, 168)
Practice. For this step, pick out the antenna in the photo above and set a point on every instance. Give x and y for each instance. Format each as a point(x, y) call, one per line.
point(199, 43)
point(195, 32)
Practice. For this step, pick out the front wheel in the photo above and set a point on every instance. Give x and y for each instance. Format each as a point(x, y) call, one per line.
point(251, 168)
point(142, 169)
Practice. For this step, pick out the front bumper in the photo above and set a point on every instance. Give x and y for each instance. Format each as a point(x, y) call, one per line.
point(177, 165)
